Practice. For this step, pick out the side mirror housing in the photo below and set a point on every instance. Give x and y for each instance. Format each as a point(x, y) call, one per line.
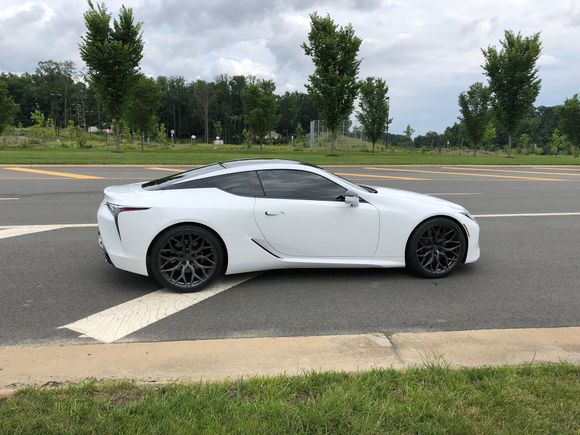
point(351, 198)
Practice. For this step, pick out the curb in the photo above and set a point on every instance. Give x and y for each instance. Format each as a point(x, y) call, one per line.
point(209, 360)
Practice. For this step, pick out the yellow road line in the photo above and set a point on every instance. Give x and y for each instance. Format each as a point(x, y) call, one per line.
point(167, 169)
point(465, 173)
point(553, 168)
point(577, 174)
point(346, 174)
point(56, 174)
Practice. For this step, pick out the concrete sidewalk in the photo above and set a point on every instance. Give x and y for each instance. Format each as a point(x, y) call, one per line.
point(233, 358)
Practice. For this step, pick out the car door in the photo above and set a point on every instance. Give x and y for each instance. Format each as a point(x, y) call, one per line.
point(303, 214)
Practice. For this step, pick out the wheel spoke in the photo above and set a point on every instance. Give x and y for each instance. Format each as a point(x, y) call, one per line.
point(438, 248)
point(187, 259)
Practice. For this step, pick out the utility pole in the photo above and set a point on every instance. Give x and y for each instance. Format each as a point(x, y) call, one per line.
point(388, 115)
point(65, 103)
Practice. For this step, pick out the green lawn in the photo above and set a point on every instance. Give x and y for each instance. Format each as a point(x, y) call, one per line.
point(205, 154)
point(534, 399)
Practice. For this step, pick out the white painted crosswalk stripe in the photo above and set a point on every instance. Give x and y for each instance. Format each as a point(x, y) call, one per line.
point(22, 230)
point(121, 320)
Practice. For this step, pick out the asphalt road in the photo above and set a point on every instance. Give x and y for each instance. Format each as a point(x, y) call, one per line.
point(528, 275)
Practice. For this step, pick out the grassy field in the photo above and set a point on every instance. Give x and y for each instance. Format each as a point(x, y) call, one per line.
point(202, 154)
point(534, 399)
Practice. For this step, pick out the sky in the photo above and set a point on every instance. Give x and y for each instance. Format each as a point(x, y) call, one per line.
point(427, 51)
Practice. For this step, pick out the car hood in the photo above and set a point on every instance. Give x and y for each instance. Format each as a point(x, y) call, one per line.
point(388, 193)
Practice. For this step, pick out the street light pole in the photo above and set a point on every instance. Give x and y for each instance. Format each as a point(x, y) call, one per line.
point(388, 114)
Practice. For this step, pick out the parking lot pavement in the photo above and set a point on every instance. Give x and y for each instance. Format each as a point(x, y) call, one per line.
point(528, 275)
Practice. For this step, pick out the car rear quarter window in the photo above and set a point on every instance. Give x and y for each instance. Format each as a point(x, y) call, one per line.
point(170, 180)
point(239, 183)
point(295, 184)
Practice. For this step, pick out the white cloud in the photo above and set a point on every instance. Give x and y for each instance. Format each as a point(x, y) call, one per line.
point(428, 52)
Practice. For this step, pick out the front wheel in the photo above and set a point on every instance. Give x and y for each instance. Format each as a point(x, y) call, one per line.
point(435, 248)
point(186, 258)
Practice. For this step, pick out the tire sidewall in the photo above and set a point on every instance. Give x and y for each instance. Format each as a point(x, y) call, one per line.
point(191, 229)
point(411, 250)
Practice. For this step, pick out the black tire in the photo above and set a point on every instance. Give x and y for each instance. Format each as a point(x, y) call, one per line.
point(186, 258)
point(436, 247)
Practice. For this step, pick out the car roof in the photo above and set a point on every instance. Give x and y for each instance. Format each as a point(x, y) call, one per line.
point(233, 166)
point(253, 162)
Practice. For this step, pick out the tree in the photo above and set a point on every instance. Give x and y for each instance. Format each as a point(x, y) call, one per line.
point(204, 95)
point(260, 107)
point(175, 108)
point(475, 113)
point(142, 113)
point(539, 125)
point(299, 135)
point(559, 143)
point(513, 78)
point(408, 132)
point(333, 86)
point(489, 135)
point(53, 84)
point(237, 84)
point(217, 126)
point(374, 108)
point(8, 108)
point(112, 54)
point(222, 113)
point(569, 114)
point(289, 106)
point(21, 89)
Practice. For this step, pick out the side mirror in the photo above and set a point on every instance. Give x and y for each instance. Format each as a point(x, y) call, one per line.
point(351, 198)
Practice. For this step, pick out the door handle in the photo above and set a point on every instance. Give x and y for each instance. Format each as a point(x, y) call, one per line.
point(274, 213)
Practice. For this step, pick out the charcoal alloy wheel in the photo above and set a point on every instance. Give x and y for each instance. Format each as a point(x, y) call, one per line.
point(186, 258)
point(436, 248)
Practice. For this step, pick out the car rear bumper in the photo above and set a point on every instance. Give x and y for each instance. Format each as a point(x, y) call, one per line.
point(120, 254)
point(104, 250)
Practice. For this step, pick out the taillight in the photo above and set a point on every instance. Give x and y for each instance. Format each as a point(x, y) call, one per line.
point(117, 209)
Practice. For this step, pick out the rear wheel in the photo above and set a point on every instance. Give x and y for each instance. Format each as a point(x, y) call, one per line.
point(186, 258)
point(436, 248)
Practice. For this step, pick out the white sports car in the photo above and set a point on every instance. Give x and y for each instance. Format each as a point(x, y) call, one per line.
point(248, 215)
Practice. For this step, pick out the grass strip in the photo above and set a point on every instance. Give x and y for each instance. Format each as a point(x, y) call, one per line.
point(204, 155)
point(433, 399)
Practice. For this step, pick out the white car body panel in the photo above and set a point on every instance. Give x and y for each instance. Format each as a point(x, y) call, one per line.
point(308, 233)
point(300, 228)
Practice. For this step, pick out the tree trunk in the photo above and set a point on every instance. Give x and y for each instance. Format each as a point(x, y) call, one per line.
point(142, 142)
point(206, 126)
point(474, 151)
point(117, 137)
point(373, 152)
point(509, 150)
point(332, 143)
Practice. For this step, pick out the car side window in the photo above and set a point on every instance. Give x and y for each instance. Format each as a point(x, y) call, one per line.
point(239, 183)
point(292, 184)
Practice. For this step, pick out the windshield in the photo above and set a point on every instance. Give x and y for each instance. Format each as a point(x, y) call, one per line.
point(162, 183)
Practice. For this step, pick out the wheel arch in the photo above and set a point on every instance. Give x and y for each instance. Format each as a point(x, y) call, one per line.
point(439, 216)
point(182, 224)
